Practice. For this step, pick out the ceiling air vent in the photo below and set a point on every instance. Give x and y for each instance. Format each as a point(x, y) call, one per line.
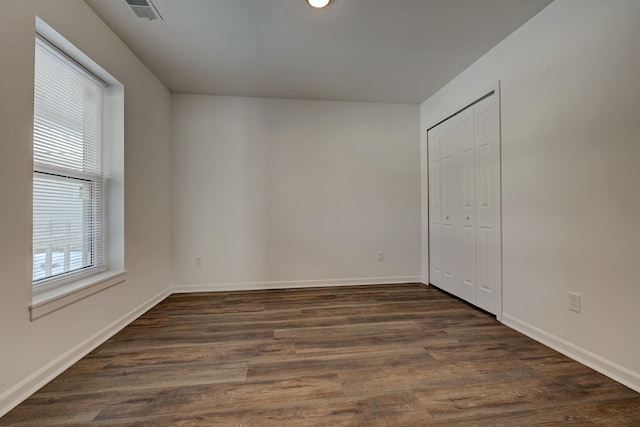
point(144, 9)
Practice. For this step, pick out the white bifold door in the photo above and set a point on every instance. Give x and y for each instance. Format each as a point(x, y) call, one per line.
point(464, 205)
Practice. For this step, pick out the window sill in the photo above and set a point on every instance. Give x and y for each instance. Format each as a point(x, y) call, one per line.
point(52, 300)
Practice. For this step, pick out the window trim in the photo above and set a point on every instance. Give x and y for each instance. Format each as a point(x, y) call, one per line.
point(62, 296)
point(61, 292)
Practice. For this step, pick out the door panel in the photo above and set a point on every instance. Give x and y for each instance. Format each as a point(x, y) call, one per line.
point(482, 179)
point(435, 225)
point(449, 199)
point(486, 246)
point(467, 257)
point(488, 252)
point(466, 209)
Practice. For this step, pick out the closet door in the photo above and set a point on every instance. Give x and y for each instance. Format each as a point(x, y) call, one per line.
point(464, 205)
point(435, 214)
point(488, 252)
point(449, 198)
point(466, 210)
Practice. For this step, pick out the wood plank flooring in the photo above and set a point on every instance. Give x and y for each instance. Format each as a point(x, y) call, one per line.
point(393, 355)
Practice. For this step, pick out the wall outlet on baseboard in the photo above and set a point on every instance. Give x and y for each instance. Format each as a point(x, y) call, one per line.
point(380, 256)
point(574, 302)
point(198, 261)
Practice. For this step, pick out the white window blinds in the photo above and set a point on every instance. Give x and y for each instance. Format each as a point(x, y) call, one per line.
point(67, 179)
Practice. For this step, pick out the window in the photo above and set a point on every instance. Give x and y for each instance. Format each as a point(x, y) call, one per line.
point(68, 173)
point(78, 175)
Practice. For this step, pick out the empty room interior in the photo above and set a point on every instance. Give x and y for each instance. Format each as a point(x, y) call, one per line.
point(368, 213)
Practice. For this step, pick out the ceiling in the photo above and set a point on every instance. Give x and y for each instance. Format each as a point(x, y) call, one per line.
point(396, 51)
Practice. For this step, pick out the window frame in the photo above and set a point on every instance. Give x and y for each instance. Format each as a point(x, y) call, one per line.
point(61, 292)
point(96, 224)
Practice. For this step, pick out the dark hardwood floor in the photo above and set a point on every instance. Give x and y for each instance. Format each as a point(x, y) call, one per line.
point(396, 355)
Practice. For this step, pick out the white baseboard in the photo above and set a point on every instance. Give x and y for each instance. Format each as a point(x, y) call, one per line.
point(598, 363)
point(25, 388)
point(252, 286)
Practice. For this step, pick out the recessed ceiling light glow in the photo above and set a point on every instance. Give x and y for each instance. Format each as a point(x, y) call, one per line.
point(318, 3)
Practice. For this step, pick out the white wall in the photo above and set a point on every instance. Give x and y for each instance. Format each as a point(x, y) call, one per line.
point(278, 193)
point(570, 174)
point(31, 352)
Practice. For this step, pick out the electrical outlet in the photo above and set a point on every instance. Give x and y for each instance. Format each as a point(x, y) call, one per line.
point(198, 261)
point(574, 302)
point(380, 256)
